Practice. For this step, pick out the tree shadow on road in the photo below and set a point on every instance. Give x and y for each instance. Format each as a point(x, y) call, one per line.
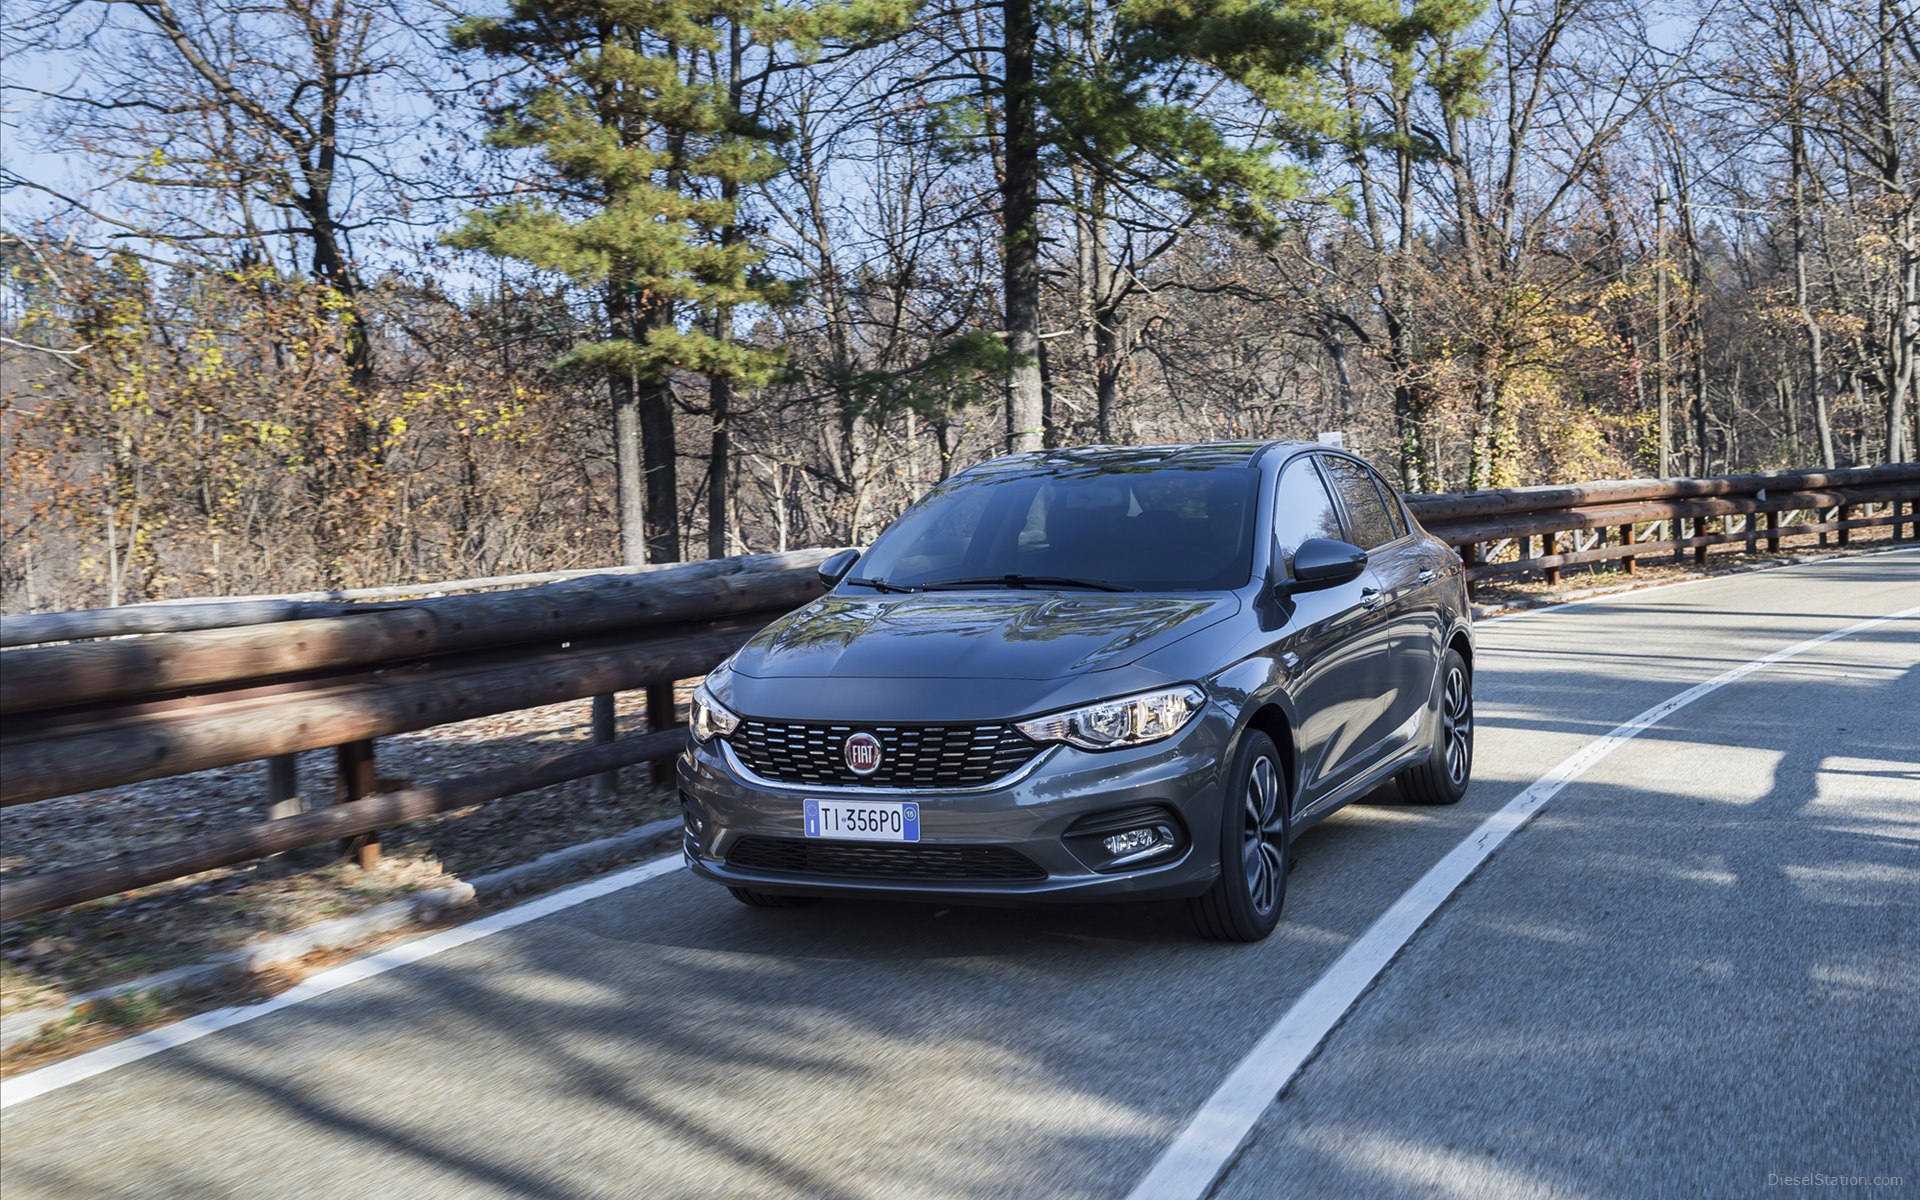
point(1675, 981)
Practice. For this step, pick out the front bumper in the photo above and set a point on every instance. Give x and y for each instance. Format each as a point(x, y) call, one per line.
point(1029, 813)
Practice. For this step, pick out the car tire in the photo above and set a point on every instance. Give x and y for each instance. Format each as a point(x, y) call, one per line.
point(1243, 905)
point(1443, 777)
point(758, 899)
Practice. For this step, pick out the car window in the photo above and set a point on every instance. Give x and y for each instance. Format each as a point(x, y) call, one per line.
point(1158, 528)
point(946, 535)
point(1367, 517)
point(1392, 500)
point(1302, 509)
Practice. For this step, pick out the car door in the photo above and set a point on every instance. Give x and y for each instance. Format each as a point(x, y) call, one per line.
point(1410, 577)
point(1383, 724)
point(1337, 663)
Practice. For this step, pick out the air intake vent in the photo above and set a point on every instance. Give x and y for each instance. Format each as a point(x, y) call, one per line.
point(905, 863)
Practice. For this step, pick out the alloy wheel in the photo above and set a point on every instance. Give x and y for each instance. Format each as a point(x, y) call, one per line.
point(1456, 725)
point(1264, 836)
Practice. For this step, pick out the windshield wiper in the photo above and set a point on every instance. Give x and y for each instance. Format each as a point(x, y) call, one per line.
point(1023, 581)
point(881, 585)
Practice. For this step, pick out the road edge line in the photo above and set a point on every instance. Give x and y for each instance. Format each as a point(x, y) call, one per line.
point(33, 1084)
point(1202, 1151)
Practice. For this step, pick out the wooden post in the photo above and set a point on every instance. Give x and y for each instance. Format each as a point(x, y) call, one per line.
point(358, 782)
point(48, 890)
point(660, 716)
point(608, 783)
point(1626, 539)
point(1746, 527)
point(1773, 532)
point(1702, 527)
point(1549, 545)
point(1846, 514)
point(283, 787)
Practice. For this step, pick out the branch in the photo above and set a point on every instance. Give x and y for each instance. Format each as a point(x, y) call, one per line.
point(78, 350)
point(161, 13)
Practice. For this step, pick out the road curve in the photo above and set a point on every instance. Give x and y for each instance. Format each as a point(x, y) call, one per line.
point(1697, 968)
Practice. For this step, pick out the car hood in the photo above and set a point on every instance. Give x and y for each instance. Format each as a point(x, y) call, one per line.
point(974, 635)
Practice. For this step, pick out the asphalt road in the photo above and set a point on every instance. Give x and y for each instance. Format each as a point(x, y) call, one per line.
point(1696, 972)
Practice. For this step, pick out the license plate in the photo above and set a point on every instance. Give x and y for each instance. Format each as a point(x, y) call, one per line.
point(863, 820)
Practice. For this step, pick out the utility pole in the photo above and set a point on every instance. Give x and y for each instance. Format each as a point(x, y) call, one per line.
point(1660, 318)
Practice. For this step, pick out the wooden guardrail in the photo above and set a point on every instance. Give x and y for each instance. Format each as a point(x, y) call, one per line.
point(277, 680)
point(1640, 519)
point(181, 687)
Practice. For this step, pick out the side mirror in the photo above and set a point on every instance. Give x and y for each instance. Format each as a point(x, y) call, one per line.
point(834, 567)
point(1324, 563)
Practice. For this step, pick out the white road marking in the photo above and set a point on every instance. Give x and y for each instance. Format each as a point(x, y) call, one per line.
point(1189, 1167)
point(22, 1088)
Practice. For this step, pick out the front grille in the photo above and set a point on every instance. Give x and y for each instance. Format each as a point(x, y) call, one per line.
point(911, 756)
point(904, 862)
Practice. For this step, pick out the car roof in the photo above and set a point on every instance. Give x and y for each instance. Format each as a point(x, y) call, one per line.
point(1181, 454)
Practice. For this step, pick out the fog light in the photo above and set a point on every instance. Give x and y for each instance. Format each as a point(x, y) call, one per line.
point(1119, 838)
point(1135, 844)
point(1131, 840)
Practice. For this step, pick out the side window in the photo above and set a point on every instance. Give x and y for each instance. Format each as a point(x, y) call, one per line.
point(1394, 512)
point(1366, 512)
point(1302, 510)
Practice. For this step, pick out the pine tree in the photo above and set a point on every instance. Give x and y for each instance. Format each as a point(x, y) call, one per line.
point(633, 106)
point(1125, 94)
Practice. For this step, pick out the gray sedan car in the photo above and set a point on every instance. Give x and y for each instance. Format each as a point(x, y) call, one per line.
point(1104, 673)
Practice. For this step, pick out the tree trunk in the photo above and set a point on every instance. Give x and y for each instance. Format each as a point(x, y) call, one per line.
point(1901, 331)
point(719, 387)
point(1816, 355)
point(943, 441)
point(1099, 306)
point(1020, 204)
point(622, 393)
point(1413, 459)
point(1696, 322)
point(719, 461)
point(654, 399)
point(629, 477)
point(1106, 369)
point(1500, 468)
point(1903, 350)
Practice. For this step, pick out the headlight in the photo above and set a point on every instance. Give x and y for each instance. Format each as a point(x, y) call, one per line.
point(710, 718)
point(1126, 721)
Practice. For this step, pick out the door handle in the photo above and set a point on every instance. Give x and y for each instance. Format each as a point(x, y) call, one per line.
point(1372, 598)
point(1426, 575)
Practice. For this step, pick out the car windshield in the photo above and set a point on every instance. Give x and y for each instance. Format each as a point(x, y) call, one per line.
point(1111, 527)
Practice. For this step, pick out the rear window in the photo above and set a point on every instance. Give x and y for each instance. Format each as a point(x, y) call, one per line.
point(1366, 512)
point(1150, 528)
